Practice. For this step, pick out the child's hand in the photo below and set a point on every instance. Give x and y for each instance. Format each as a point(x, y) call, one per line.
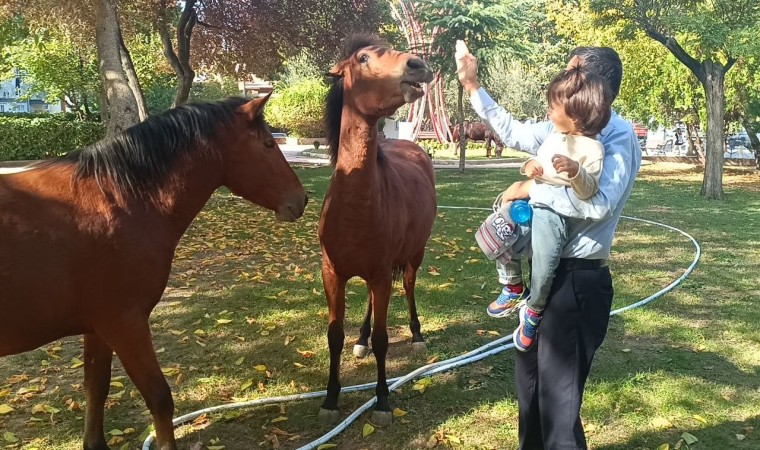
point(533, 169)
point(518, 190)
point(564, 164)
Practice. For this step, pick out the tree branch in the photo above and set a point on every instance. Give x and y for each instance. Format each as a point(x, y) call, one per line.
point(675, 48)
point(166, 40)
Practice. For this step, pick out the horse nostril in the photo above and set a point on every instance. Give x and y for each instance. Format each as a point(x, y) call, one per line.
point(416, 64)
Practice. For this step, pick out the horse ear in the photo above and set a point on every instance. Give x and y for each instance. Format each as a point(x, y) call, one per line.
point(336, 71)
point(255, 107)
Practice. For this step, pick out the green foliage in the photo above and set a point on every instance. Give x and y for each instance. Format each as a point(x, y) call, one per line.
point(480, 24)
point(298, 108)
point(56, 67)
point(29, 137)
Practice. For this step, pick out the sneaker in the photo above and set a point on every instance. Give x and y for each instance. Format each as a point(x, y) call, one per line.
point(525, 333)
point(509, 301)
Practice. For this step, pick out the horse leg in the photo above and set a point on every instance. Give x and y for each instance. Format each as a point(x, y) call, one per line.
point(97, 379)
point(488, 147)
point(335, 291)
point(410, 280)
point(131, 340)
point(381, 293)
point(361, 348)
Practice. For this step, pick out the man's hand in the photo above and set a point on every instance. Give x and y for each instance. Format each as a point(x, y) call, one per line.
point(533, 169)
point(564, 164)
point(467, 68)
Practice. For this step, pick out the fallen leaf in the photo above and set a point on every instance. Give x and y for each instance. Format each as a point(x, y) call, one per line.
point(223, 321)
point(432, 442)
point(453, 439)
point(279, 419)
point(326, 446)
point(116, 432)
point(305, 353)
point(299, 365)
point(261, 368)
point(76, 363)
point(240, 360)
point(9, 437)
point(660, 422)
point(689, 438)
point(699, 418)
point(288, 339)
point(664, 446)
point(740, 437)
point(367, 430)
point(5, 409)
point(399, 412)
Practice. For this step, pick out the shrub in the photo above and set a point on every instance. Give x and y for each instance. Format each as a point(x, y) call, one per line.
point(39, 137)
point(298, 108)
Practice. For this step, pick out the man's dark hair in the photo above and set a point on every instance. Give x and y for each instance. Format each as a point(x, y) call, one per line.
point(602, 61)
point(586, 98)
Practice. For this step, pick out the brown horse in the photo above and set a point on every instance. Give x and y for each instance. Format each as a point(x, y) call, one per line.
point(87, 241)
point(380, 207)
point(479, 131)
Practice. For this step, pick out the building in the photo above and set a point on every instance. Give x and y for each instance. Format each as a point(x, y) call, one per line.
point(13, 98)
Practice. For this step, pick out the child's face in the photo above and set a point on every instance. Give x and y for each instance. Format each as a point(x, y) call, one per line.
point(562, 123)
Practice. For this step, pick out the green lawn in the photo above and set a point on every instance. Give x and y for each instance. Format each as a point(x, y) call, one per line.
point(244, 317)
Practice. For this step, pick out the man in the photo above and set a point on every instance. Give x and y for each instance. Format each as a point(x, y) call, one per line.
point(550, 377)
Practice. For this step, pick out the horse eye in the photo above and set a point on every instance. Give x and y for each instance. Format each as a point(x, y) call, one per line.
point(363, 59)
point(270, 144)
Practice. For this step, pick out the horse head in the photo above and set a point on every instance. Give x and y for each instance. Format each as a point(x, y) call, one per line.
point(256, 169)
point(379, 80)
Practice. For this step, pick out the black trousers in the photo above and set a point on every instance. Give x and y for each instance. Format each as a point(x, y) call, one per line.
point(551, 376)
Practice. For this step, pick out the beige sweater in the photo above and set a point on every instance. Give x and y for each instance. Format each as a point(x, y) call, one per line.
point(587, 151)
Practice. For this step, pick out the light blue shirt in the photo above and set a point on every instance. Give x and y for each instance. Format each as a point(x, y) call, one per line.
point(591, 223)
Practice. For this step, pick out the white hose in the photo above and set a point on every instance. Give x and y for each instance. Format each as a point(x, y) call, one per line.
point(430, 369)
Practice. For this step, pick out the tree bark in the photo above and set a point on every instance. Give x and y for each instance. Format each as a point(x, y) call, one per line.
point(120, 106)
point(462, 135)
point(134, 82)
point(754, 141)
point(712, 183)
point(691, 135)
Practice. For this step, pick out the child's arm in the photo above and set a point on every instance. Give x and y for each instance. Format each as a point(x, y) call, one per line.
point(584, 180)
point(532, 168)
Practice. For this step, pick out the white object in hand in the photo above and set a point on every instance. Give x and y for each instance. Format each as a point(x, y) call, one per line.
point(461, 50)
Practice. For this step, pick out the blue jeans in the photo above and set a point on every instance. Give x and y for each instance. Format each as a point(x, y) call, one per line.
point(543, 242)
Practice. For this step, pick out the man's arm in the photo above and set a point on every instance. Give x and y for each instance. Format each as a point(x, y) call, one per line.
point(513, 133)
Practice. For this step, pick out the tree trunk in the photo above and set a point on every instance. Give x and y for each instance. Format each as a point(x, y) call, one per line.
point(462, 134)
point(754, 141)
point(691, 135)
point(180, 60)
point(134, 82)
point(120, 106)
point(712, 184)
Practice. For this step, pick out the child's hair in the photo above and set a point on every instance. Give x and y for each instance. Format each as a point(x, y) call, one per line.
point(586, 97)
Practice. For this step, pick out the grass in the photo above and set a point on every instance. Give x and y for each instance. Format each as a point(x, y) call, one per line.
point(244, 317)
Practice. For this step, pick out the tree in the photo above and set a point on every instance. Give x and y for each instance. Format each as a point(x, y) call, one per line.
point(481, 25)
point(55, 66)
point(707, 37)
point(121, 101)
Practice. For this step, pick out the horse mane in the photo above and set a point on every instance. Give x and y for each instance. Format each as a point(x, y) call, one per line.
point(334, 100)
point(138, 159)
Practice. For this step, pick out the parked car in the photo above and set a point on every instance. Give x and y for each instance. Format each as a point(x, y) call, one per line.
point(280, 138)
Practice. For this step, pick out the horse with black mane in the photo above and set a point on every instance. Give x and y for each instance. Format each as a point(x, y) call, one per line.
point(381, 204)
point(87, 240)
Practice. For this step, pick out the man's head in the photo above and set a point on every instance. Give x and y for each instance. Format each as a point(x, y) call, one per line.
point(602, 61)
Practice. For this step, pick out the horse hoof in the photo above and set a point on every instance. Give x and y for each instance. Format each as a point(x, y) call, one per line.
point(361, 351)
point(382, 418)
point(419, 347)
point(328, 416)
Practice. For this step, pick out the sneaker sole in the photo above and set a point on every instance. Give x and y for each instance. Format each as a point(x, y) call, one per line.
point(507, 312)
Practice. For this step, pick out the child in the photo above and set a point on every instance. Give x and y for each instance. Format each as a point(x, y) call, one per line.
point(579, 107)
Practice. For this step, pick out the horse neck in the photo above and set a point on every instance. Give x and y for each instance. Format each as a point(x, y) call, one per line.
point(188, 188)
point(357, 151)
